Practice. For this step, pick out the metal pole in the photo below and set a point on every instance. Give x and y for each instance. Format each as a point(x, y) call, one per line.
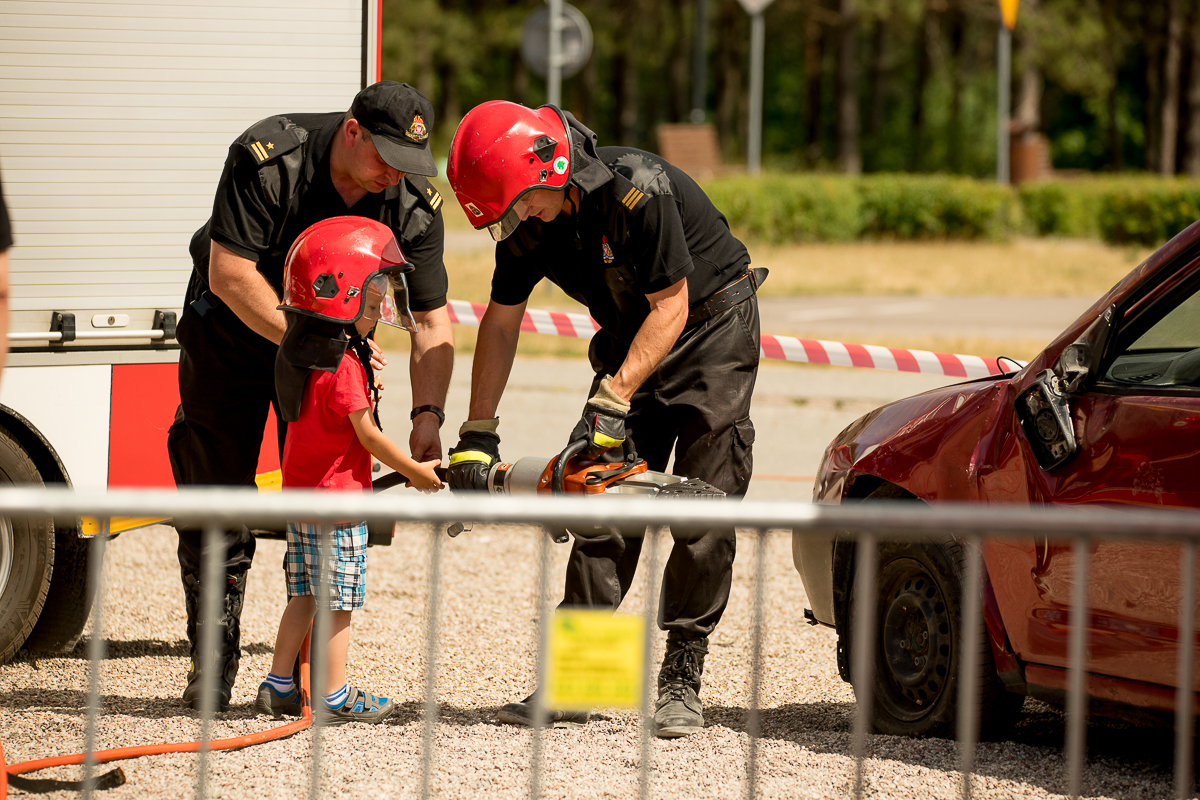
point(699, 62)
point(754, 723)
point(540, 717)
point(95, 653)
point(968, 685)
point(429, 724)
point(754, 140)
point(1077, 701)
point(1003, 101)
point(212, 597)
point(647, 734)
point(863, 652)
point(1184, 696)
point(318, 661)
point(554, 63)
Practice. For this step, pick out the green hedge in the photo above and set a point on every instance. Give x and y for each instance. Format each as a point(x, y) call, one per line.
point(808, 208)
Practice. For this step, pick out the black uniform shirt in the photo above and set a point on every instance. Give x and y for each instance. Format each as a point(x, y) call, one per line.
point(642, 230)
point(261, 208)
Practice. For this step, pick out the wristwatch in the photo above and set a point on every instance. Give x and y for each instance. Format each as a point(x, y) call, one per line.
point(437, 412)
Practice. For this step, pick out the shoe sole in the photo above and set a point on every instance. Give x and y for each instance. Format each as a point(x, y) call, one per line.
point(677, 731)
point(375, 718)
point(264, 708)
point(516, 718)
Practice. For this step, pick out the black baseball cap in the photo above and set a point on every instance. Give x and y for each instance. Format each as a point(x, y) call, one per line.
point(399, 119)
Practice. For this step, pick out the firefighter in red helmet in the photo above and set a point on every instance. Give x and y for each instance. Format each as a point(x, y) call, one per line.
point(634, 239)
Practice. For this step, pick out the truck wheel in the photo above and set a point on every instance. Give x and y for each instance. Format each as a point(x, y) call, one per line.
point(69, 601)
point(918, 646)
point(26, 555)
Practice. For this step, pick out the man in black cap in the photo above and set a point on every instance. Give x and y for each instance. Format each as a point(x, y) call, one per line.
point(282, 175)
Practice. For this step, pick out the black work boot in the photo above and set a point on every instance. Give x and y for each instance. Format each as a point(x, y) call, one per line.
point(522, 714)
point(679, 711)
point(229, 636)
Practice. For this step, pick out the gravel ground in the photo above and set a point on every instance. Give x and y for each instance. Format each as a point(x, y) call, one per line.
point(486, 654)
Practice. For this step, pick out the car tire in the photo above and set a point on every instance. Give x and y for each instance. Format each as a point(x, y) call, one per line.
point(918, 646)
point(26, 554)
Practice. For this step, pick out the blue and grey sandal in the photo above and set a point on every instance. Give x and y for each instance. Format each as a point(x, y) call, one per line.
point(360, 706)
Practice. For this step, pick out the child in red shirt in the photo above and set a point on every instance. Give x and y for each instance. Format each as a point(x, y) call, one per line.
point(329, 445)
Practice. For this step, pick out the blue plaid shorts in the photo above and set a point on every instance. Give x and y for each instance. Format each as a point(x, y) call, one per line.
point(346, 545)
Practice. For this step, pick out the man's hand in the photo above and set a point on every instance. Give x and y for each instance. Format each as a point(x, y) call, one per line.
point(378, 362)
point(425, 441)
point(604, 419)
point(477, 450)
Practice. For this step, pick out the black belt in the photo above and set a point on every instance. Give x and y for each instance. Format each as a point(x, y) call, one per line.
point(738, 290)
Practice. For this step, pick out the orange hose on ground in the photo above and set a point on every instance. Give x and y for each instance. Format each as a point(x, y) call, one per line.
point(120, 753)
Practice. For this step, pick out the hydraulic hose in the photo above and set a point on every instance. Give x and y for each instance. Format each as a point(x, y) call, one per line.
point(121, 753)
point(560, 463)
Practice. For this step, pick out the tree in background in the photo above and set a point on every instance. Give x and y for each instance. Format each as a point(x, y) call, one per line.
point(876, 85)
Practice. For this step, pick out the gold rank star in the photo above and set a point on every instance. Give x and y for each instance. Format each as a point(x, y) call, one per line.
point(270, 146)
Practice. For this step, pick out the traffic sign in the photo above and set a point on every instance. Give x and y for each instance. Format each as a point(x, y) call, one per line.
point(755, 6)
point(1008, 12)
point(576, 41)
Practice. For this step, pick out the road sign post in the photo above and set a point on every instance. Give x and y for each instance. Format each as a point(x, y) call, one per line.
point(755, 9)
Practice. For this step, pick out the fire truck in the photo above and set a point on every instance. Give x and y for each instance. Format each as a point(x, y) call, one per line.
point(116, 119)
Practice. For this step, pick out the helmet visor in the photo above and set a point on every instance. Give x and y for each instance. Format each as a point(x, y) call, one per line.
point(502, 228)
point(386, 300)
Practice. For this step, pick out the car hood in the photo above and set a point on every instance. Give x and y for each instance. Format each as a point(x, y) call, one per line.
point(924, 444)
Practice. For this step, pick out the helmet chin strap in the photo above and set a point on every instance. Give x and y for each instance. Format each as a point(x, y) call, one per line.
point(363, 350)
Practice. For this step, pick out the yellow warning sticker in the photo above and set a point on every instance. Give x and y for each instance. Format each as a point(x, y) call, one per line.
point(595, 659)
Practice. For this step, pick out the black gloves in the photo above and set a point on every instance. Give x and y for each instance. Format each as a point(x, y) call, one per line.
point(477, 451)
point(604, 420)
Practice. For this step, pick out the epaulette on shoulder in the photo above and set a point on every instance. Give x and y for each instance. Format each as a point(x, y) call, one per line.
point(627, 194)
point(423, 189)
point(271, 138)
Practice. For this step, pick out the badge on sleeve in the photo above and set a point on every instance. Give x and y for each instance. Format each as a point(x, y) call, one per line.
point(606, 250)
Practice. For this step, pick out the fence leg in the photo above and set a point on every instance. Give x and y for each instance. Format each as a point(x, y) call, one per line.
point(429, 724)
point(863, 653)
point(96, 648)
point(968, 673)
point(754, 722)
point(648, 691)
point(212, 596)
point(319, 652)
point(1185, 697)
point(1077, 700)
point(540, 717)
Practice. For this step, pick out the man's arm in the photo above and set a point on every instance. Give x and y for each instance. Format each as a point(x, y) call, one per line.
point(430, 364)
point(654, 339)
point(495, 349)
point(242, 287)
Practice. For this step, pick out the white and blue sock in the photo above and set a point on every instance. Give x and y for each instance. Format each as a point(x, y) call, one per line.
point(282, 684)
point(335, 700)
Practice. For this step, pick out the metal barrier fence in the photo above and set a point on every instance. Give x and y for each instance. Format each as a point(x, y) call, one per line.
point(216, 509)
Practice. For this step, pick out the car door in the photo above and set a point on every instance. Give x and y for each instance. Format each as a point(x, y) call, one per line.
point(1137, 428)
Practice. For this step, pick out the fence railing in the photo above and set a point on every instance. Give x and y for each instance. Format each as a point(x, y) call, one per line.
point(213, 510)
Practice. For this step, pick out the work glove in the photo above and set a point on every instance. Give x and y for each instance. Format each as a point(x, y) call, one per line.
point(604, 420)
point(472, 458)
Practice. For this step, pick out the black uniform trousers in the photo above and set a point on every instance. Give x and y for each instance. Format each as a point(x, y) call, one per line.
point(697, 403)
point(226, 387)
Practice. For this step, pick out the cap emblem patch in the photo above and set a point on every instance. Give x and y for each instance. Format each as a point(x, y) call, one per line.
point(417, 131)
point(560, 165)
point(606, 250)
point(474, 209)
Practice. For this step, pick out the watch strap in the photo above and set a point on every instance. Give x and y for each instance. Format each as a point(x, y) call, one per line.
point(437, 412)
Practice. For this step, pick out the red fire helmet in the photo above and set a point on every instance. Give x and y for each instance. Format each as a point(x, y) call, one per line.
point(502, 150)
point(334, 264)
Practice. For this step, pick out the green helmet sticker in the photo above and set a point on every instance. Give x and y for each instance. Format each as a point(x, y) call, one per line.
point(560, 165)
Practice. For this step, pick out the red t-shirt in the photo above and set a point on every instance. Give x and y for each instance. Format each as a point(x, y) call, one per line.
point(322, 449)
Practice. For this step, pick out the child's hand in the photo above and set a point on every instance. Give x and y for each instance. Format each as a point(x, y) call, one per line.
point(424, 478)
point(378, 362)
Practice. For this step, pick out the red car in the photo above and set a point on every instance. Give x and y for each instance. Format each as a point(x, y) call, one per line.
point(1108, 413)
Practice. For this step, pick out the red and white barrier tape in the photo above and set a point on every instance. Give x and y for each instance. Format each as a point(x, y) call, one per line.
point(782, 348)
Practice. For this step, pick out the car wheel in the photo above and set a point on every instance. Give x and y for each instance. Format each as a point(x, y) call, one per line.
point(918, 646)
point(26, 555)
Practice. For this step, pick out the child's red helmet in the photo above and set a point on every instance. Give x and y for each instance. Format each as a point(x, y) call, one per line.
point(335, 265)
point(502, 150)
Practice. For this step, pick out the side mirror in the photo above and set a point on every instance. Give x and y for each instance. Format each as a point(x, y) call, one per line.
point(1045, 419)
point(1082, 357)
